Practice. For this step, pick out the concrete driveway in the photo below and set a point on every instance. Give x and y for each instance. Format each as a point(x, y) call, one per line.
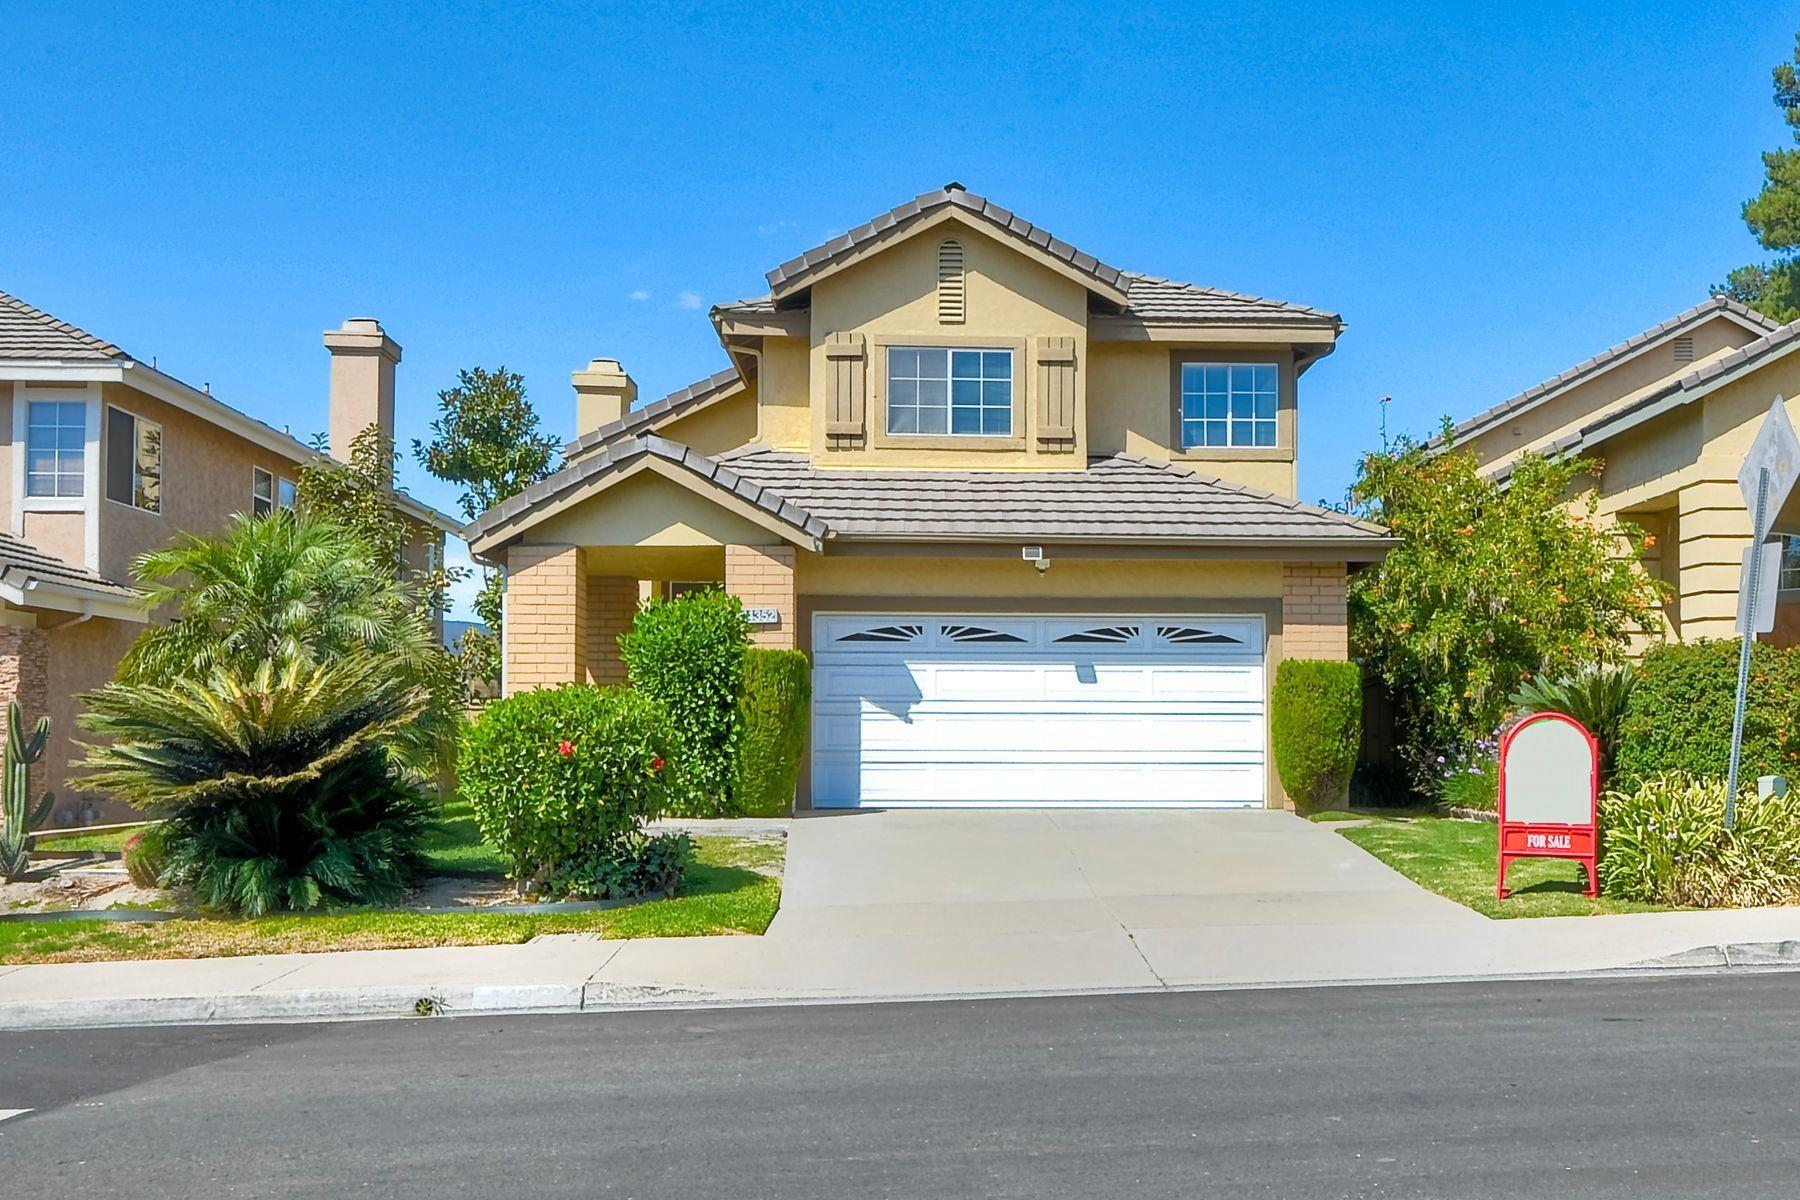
point(938, 871)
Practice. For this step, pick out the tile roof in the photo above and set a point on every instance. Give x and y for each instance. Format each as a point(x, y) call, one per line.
point(1165, 301)
point(24, 566)
point(1119, 496)
point(795, 271)
point(31, 333)
point(609, 459)
point(1712, 307)
point(675, 404)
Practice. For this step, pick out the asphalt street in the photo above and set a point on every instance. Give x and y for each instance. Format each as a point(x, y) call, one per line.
point(1677, 1087)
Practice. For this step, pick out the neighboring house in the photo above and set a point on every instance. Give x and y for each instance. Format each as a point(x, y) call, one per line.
point(1670, 414)
point(1031, 516)
point(107, 457)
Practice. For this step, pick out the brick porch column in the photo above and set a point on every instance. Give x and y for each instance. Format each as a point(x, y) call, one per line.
point(612, 606)
point(546, 626)
point(1314, 618)
point(763, 577)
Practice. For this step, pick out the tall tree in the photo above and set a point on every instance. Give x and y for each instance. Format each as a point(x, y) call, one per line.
point(489, 439)
point(1773, 215)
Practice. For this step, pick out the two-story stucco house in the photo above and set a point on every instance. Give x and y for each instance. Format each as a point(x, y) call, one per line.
point(1031, 516)
point(103, 457)
point(1669, 414)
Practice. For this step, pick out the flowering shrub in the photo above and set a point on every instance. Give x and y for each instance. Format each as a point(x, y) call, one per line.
point(1470, 778)
point(1664, 841)
point(688, 654)
point(562, 782)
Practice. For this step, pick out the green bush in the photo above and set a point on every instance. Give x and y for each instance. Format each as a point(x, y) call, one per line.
point(282, 789)
point(562, 781)
point(1316, 727)
point(688, 654)
point(1679, 714)
point(1664, 841)
point(1471, 779)
point(772, 716)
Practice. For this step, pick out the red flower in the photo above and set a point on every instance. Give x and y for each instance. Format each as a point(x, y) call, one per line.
point(566, 748)
point(656, 764)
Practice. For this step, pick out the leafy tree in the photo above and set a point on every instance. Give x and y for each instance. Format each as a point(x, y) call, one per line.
point(1488, 587)
point(1773, 215)
point(489, 439)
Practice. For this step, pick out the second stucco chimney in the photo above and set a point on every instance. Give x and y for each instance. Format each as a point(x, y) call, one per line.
point(363, 358)
point(603, 394)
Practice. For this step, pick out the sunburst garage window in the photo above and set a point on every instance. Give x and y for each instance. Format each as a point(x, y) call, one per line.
point(1228, 404)
point(938, 390)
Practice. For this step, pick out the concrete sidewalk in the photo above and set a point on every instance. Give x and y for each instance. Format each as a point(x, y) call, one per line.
point(887, 907)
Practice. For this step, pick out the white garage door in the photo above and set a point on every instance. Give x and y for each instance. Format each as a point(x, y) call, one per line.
point(1159, 711)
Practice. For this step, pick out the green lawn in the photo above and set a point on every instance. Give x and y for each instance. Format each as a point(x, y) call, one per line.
point(1458, 859)
point(106, 839)
point(728, 890)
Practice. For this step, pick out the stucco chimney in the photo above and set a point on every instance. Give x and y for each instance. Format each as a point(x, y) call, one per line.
point(603, 394)
point(363, 358)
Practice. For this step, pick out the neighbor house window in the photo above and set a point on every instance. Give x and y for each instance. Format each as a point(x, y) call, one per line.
point(134, 458)
point(934, 389)
point(55, 447)
point(1790, 564)
point(286, 493)
point(262, 492)
point(1228, 404)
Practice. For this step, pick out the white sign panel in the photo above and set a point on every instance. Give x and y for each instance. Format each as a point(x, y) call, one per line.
point(1549, 775)
point(1768, 570)
point(763, 616)
point(1776, 450)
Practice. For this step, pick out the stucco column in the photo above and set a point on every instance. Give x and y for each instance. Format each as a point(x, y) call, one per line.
point(1315, 619)
point(25, 677)
point(612, 606)
point(763, 577)
point(546, 627)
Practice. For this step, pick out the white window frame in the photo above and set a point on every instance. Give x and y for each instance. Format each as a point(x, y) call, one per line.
point(70, 398)
point(257, 475)
point(89, 502)
point(950, 352)
point(1229, 421)
point(161, 462)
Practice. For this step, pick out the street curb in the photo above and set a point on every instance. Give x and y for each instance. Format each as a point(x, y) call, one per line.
point(463, 1000)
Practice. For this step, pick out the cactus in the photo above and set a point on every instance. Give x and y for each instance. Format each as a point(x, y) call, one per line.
point(17, 817)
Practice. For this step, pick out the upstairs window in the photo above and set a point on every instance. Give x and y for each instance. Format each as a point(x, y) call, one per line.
point(1228, 404)
point(939, 390)
point(55, 447)
point(134, 459)
point(262, 492)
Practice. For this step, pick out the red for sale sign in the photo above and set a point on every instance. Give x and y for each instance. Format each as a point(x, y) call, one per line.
point(1550, 795)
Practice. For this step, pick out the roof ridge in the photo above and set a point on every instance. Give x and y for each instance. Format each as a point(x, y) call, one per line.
point(1555, 383)
point(1704, 372)
point(59, 325)
point(1245, 490)
point(1224, 293)
point(690, 396)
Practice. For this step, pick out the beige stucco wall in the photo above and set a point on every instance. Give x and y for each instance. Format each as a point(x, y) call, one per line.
point(1012, 300)
point(207, 474)
point(784, 416)
point(83, 656)
point(648, 509)
point(1133, 401)
point(1582, 403)
point(717, 427)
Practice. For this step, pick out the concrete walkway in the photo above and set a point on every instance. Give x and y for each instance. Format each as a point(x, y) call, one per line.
point(915, 905)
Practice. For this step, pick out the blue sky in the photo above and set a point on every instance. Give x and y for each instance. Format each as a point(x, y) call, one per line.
point(1488, 194)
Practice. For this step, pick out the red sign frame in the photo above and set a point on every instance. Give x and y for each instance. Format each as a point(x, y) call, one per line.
point(1545, 839)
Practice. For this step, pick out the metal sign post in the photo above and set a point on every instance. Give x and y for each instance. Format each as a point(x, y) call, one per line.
point(1766, 478)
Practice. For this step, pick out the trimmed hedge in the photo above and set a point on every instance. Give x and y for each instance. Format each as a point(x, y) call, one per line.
point(1679, 715)
point(688, 654)
point(562, 781)
point(1316, 728)
point(772, 716)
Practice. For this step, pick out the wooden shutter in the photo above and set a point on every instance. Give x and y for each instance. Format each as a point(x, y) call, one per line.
point(846, 390)
point(1056, 393)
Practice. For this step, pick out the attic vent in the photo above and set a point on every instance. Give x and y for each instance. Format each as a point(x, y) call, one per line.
point(1684, 349)
point(951, 307)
